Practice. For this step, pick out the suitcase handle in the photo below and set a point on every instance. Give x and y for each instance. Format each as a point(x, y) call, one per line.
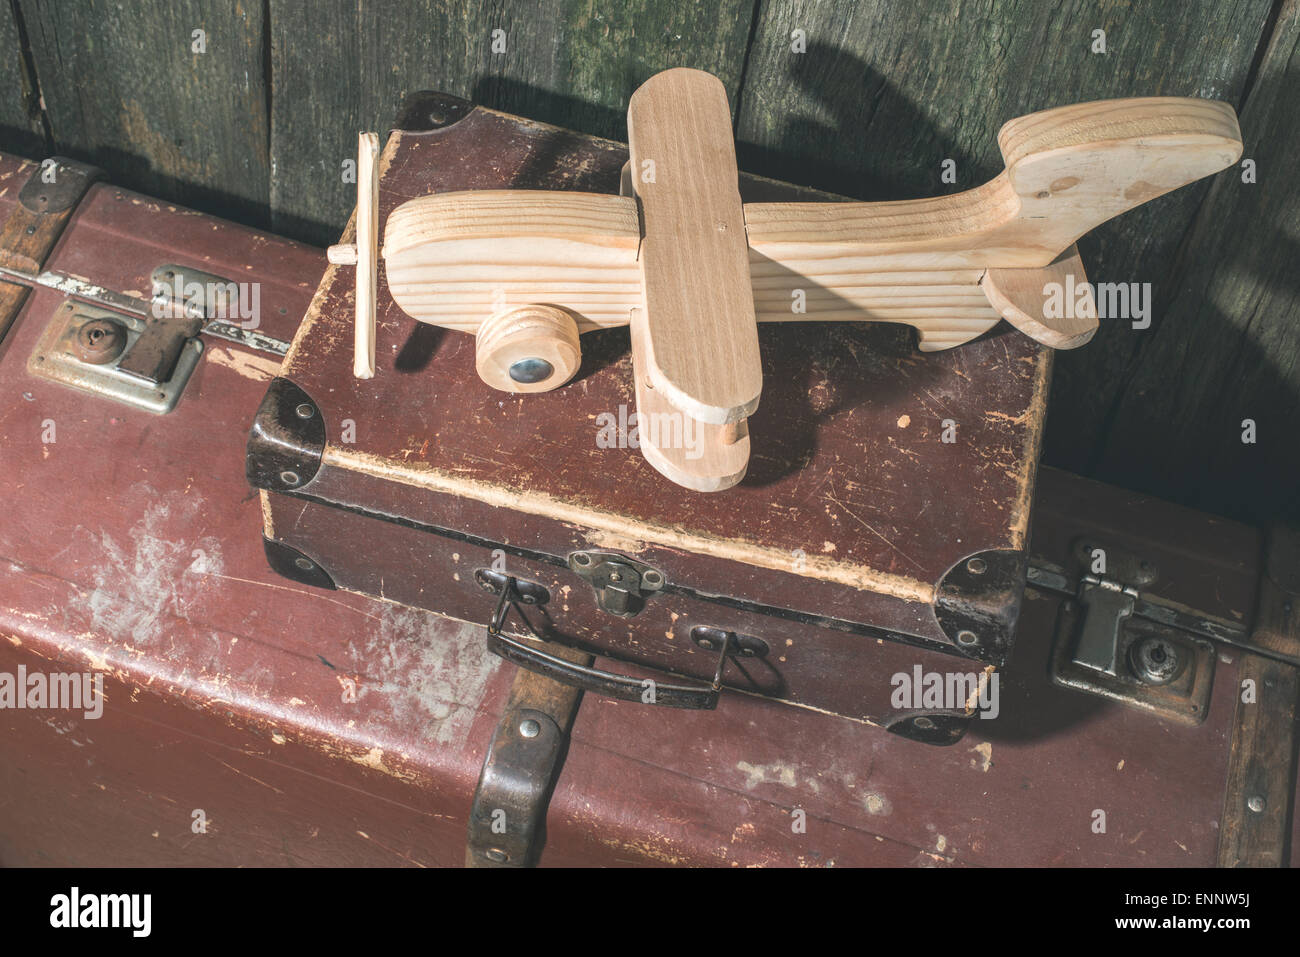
point(608, 683)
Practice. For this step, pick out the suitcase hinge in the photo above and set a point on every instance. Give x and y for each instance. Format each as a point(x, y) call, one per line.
point(977, 603)
point(57, 185)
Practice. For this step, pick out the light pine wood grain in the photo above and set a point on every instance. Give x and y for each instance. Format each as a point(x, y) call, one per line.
point(363, 253)
point(1021, 297)
point(699, 308)
point(919, 262)
point(697, 455)
point(363, 361)
point(455, 259)
point(1068, 170)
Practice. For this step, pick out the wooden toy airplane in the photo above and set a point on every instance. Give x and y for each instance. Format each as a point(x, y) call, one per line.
point(691, 269)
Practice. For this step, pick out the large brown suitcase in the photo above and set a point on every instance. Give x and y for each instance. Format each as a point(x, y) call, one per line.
point(882, 526)
point(248, 720)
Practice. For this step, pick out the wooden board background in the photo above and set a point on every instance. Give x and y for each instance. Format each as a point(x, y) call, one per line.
point(257, 128)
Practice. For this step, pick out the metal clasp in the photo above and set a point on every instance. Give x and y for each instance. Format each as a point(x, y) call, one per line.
point(117, 356)
point(1114, 642)
point(1106, 605)
point(1108, 592)
point(621, 584)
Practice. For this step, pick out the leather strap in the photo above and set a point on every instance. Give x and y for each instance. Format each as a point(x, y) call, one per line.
point(507, 822)
point(45, 204)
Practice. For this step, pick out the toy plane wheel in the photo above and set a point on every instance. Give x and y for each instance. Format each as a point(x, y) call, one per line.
point(527, 349)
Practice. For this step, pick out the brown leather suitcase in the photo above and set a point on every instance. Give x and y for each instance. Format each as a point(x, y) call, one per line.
point(883, 524)
point(250, 720)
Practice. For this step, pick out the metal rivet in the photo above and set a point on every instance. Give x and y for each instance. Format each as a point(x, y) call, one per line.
point(305, 411)
point(531, 370)
point(1256, 803)
point(496, 855)
point(965, 637)
point(977, 566)
point(289, 478)
point(925, 724)
point(582, 558)
point(304, 564)
point(530, 728)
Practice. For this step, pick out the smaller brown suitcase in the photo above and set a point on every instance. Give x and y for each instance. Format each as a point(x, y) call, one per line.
point(883, 523)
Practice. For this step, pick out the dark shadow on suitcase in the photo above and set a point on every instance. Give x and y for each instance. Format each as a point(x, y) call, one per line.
point(15, 139)
point(419, 347)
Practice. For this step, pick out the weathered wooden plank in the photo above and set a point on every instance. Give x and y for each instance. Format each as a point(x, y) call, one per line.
point(323, 94)
point(887, 91)
point(1260, 795)
point(339, 67)
point(125, 88)
point(1229, 349)
point(20, 129)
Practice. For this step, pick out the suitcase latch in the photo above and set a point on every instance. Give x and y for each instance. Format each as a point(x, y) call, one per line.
point(127, 358)
point(621, 584)
point(1111, 641)
point(1107, 604)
